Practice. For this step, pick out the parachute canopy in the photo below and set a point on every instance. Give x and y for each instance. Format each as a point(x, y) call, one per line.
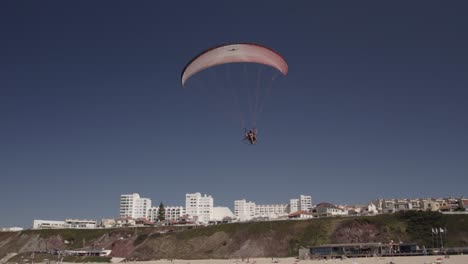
point(242, 52)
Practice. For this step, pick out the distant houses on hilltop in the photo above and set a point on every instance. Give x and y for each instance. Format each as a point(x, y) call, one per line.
point(200, 210)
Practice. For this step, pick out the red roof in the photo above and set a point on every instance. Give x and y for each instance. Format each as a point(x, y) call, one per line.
point(145, 221)
point(300, 212)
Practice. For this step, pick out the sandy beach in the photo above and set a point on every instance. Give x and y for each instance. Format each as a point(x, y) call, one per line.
point(458, 259)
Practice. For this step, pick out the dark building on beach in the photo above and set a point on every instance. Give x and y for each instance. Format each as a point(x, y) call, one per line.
point(361, 250)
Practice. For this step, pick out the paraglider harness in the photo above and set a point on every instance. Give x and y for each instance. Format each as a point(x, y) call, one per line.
point(251, 136)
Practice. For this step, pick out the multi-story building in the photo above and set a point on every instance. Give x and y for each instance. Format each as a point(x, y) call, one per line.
point(305, 203)
point(388, 206)
point(271, 210)
point(294, 205)
point(415, 204)
point(423, 204)
point(132, 205)
point(172, 213)
point(453, 204)
point(243, 210)
point(199, 207)
point(402, 205)
point(430, 205)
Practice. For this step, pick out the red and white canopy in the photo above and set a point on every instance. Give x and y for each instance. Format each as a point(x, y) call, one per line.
point(251, 53)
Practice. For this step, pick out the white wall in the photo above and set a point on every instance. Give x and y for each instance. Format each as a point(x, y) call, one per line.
point(219, 213)
point(294, 205)
point(199, 206)
point(243, 210)
point(132, 205)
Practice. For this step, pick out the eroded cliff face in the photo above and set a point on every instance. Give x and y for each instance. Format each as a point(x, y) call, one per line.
point(257, 239)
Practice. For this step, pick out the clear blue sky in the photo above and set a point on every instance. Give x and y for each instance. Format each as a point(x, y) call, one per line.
point(374, 105)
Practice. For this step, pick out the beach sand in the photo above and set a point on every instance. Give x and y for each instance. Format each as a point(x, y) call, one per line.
point(455, 259)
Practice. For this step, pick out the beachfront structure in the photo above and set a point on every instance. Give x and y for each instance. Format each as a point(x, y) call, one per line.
point(331, 251)
point(199, 207)
point(243, 210)
point(132, 205)
point(172, 213)
point(68, 223)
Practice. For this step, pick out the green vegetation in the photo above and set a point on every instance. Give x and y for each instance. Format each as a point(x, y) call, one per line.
point(420, 224)
point(457, 230)
point(161, 212)
point(316, 232)
point(275, 238)
point(200, 231)
point(140, 239)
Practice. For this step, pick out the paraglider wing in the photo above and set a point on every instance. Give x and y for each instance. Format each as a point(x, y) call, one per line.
point(231, 53)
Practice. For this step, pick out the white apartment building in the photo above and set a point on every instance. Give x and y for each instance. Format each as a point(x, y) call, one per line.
point(305, 203)
point(199, 207)
point(294, 205)
point(271, 210)
point(243, 210)
point(174, 212)
point(132, 205)
point(171, 213)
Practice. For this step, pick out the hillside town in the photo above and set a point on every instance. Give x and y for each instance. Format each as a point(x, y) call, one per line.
point(200, 209)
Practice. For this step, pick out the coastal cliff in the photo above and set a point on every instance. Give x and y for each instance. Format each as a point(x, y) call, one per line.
point(252, 239)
